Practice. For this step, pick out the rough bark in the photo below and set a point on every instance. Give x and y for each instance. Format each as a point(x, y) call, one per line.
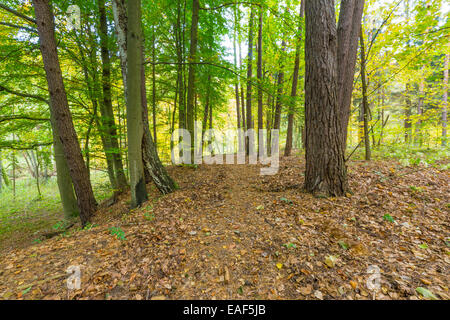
point(59, 108)
point(280, 84)
point(326, 172)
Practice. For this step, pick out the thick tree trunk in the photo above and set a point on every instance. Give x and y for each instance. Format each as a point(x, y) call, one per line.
point(365, 104)
point(61, 113)
point(108, 115)
point(349, 27)
point(326, 172)
point(134, 107)
point(290, 130)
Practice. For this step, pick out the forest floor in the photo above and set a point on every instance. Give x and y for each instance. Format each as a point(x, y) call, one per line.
point(230, 233)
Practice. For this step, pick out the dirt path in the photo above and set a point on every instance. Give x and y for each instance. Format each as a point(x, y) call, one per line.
point(230, 233)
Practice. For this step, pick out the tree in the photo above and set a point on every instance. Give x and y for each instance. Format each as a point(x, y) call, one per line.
point(249, 84)
point(191, 75)
point(59, 108)
point(290, 130)
point(108, 114)
point(134, 104)
point(349, 28)
point(365, 103)
point(326, 172)
point(445, 100)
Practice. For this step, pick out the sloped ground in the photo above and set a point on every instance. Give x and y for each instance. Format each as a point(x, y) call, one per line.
point(230, 233)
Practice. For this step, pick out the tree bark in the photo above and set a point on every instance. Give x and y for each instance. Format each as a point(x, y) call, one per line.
point(249, 120)
point(445, 100)
point(59, 108)
point(365, 104)
point(349, 27)
point(134, 107)
point(191, 75)
point(108, 116)
point(290, 130)
point(326, 172)
point(260, 83)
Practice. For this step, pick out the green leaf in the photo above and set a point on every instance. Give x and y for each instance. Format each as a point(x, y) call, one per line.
point(343, 245)
point(388, 217)
point(423, 246)
point(426, 293)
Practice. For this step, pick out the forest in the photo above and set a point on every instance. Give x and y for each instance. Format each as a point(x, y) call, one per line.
point(224, 150)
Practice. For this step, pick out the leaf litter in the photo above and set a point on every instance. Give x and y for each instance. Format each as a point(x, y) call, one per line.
point(230, 233)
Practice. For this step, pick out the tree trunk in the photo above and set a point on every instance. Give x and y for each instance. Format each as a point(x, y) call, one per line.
point(238, 107)
point(418, 133)
point(155, 137)
point(134, 107)
point(63, 179)
point(108, 116)
point(349, 27)
point(260, 83)
point(407, 122)
point(279, 104)
point(191, 76)
point(60, 109)
point(365, 104)
point(249, 148)
point(153, 168)
point(326, 172)
point(445, 100)
point(290, 130)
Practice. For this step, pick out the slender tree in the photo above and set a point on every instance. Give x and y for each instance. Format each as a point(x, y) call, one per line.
point(290, 130)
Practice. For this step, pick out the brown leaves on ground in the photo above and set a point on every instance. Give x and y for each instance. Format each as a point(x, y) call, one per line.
point(230, 233)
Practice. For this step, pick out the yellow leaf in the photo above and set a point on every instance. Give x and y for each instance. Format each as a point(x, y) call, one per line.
point(279, 266)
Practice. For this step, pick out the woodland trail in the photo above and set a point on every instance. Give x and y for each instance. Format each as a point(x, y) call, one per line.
point(230, 233)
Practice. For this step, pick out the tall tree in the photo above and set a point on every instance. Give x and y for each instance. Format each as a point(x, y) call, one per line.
point(445, 101)
point(326, 172)
point(59, 108)
point(349, 28)
point(108, 114)
point(134, 104)
point(191, 76)
point(249, 83)
point(365, 102)
point(260, 82)
point(290, 130)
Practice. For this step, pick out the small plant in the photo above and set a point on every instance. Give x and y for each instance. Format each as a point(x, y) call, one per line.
point(149, 216)
point(119, 233)
point(388, 217)
point(287, 201)
point(343, 245)
point(290, 246)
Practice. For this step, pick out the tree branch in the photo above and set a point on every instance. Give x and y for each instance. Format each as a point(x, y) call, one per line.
point(18, 14)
